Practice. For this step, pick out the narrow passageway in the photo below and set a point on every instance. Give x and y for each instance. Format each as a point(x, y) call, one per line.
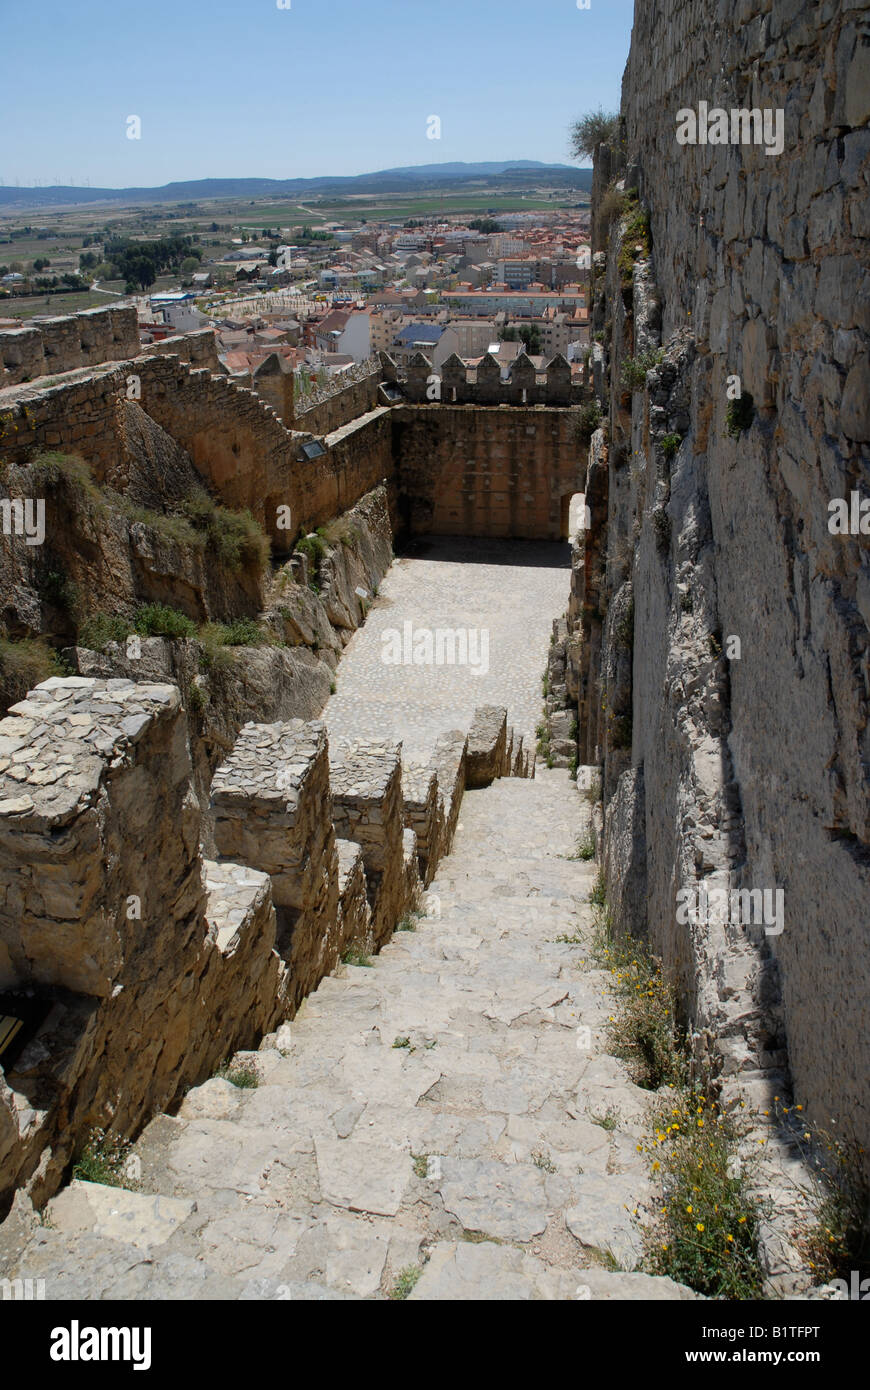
point(444, 1118)
point(442, 1121)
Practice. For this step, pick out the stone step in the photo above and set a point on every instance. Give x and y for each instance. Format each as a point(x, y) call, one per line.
point(447, 1113)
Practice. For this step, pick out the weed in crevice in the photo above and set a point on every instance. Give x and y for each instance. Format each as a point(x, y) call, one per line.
point(242, 1072)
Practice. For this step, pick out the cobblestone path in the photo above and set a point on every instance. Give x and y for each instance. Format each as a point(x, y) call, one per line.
point(510, 590)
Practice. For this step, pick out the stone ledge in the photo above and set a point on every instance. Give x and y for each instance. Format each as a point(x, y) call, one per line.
point(487, 745)
point(237, 896)
point(65, 737)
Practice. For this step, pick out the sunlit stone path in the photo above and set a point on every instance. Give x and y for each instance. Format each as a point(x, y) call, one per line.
point(508, 590)
point(432, 1122)
point(443, 1122)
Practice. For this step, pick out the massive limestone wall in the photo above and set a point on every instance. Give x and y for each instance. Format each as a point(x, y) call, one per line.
point(719, 645)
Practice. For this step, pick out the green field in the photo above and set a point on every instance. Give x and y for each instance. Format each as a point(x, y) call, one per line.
point(383, 209)
point(28, 306)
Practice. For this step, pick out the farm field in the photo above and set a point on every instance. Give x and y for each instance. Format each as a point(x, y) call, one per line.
point(29, 306)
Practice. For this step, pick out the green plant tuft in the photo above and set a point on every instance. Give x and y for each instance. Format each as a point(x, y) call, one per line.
point(105, 1159)
point(242, 1072)
point(23, 665)
point(157, 620)
point(739, 414)
point(405, 1282)
point(634, 369)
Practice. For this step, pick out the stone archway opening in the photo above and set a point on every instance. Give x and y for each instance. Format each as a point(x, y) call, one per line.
point(575, 515)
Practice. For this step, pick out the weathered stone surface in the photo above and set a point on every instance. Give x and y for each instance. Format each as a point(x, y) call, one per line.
point(64, 343)
point(354, 910)
point(362, 1177)
point(86, 868)
point(487, 746)
point(487, 1272)
point(366, 783)
point(269, 800)
point(728, 718)
point(437, 1093)
point(449, 761)
point(424, 815)
point(104, 894)
point(134, 1218)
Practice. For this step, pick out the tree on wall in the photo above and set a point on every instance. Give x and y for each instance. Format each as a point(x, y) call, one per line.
point(595, 128)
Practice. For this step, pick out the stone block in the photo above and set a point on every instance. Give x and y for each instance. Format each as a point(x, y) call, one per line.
point(355, 916)
point(271, 804)
point(487, 745)
point(366, 782)
point(99, 831)
point(424, 814)
point(449, 762)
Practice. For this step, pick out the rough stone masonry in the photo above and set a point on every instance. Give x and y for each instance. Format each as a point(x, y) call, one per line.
point(717, 644)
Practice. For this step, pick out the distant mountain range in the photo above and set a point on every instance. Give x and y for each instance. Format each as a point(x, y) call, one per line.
point(497, 175)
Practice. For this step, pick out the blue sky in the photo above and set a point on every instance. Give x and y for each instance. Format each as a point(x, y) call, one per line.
point(324, 87)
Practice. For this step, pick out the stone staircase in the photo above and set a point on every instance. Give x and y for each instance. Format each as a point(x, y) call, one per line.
point(431, 1122)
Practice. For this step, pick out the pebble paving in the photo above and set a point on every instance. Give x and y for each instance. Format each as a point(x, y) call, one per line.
point(509, 590)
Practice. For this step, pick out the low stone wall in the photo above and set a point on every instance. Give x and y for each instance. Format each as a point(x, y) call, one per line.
point(449, 761)
point(270, 802)
point(366, 783)
point(487, 755)
point(424, 815)
point(355, 918)
point(495, 749)
point(85, 765)
point(199, 349)
point(411, 883)
point(151, 971)
point(66, 343)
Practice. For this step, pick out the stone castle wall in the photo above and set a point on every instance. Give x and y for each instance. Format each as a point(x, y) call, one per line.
point(740, 765)
point(486, 383)
point(67, 343)
point(234, 439)
point(464, 470)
